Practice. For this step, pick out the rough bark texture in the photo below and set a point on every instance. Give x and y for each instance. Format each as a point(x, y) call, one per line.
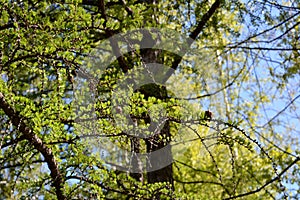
point(158, 142)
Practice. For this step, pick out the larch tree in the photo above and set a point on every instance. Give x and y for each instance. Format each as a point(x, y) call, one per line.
point(144, 99)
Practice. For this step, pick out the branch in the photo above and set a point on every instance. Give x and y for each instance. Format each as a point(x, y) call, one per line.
point(109, 33)
point(205, 19)
point(194, 169)
point(20, 164)
point(267, 183)
point(38, 144)
point(264, 48)
point(12, 142)
point(193, 35)
point(264, 31)
point(281, 111)
point(217, 91)
point(99, 184)
point(199, 182)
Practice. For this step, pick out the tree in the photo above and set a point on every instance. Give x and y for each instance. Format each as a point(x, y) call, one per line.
point(109, 100)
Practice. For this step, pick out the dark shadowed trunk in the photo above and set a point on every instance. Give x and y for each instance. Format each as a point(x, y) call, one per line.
point(157, 170)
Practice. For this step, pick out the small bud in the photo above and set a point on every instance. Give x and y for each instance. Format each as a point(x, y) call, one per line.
point(208, 114)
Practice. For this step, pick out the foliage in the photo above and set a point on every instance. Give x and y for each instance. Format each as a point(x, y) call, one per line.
point(241, 63)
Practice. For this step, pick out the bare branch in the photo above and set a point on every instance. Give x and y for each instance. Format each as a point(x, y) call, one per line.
point(267, 183)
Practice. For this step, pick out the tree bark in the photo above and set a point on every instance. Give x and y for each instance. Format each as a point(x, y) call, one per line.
point(38, 144)
point(157, 172)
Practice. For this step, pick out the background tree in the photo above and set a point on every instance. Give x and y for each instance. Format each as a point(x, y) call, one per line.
point(242, 66)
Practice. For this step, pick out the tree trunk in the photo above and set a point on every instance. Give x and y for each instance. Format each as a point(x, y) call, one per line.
point(156, 169)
